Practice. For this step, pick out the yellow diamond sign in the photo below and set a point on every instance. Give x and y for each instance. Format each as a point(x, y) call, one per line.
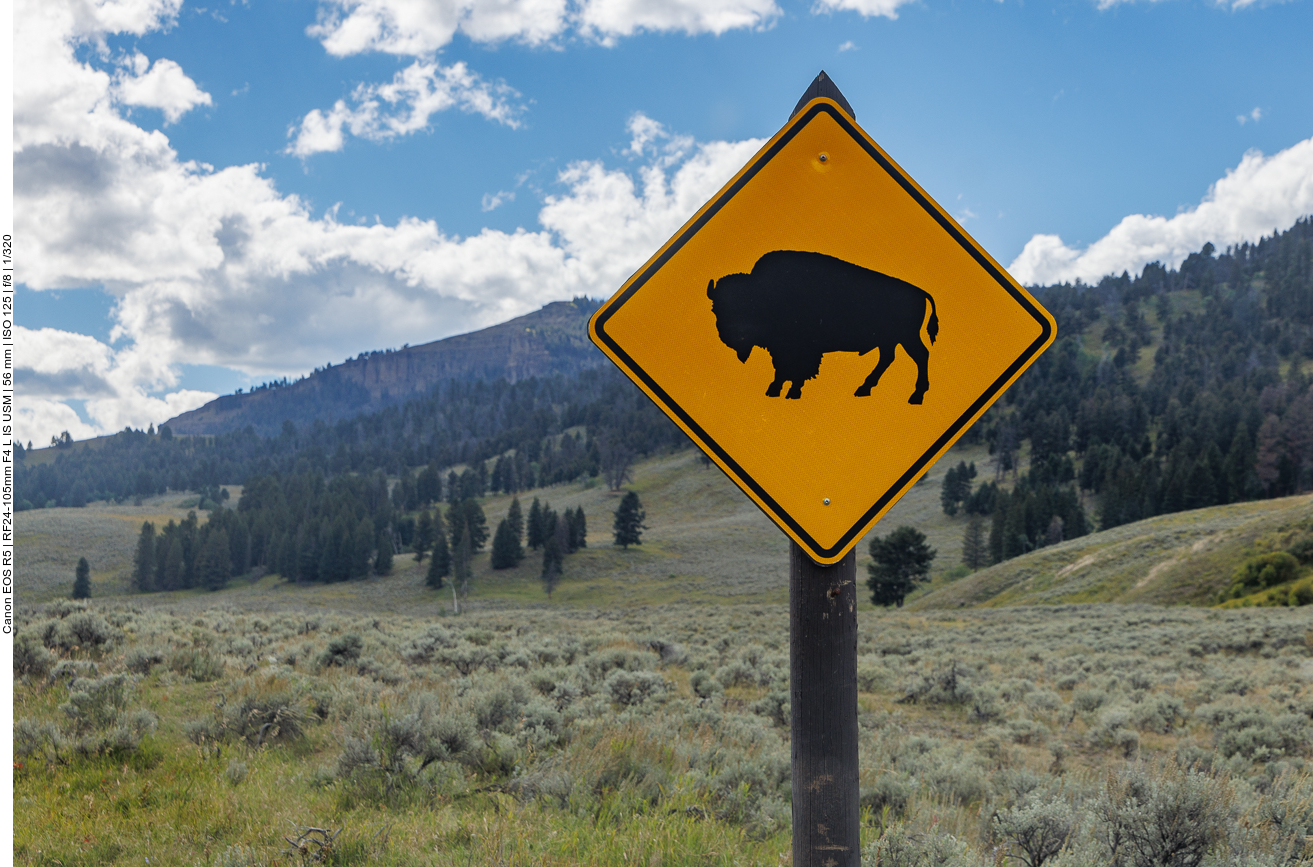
point(823, 330)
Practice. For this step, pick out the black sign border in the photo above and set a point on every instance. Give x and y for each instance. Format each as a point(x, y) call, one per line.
point(670, 406)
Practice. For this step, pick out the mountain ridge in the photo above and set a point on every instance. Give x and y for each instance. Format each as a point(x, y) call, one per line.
point(551, 340)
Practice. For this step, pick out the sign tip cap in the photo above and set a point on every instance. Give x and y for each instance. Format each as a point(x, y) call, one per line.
point(823, 86)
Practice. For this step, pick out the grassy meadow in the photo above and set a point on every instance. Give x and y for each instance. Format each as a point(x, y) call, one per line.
point(640, 714)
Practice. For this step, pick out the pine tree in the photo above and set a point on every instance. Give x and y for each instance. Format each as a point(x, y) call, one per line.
point(578, 526)
point(423, 536)
point(439, 565)
point(629, 519)
point(516, 519)
point(900, 561)
point(461, 562)
point(143, 564)
point(82, 580)
point(476, 522)
point(974, 551)
point(506, 552)
point(440, 562)
point(552, 557)
point(383, 556)
point(214, 565)
point(535, 525)
point(171, 576)
point(362, 548)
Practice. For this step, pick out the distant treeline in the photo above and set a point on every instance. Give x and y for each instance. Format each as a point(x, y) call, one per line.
point(1221, 412)
point(306, 528)
point(459, 423)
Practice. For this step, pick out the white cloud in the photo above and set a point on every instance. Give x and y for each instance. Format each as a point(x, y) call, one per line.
point(403, 106)
point(848, 46)
point(55, 366)
point(1259, 196)
point(164, 86)
point(607, 19)
point(865, 8)
point(1256, 115)
point(418, 28)
point(493, 201)
point(1224, 4)
point(215, 266)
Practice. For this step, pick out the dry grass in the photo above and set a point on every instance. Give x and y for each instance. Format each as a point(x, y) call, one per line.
point(48, 543)
point(1183, 558)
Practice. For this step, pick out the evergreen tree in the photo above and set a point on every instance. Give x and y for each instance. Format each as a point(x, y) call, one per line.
point(578, 525)
point(423, 540)
point(439, 566)
point(552, 559)
point(975, 553)
point(82, 580)
point(143, 564)
point(362, 548)
point(535, 525)
point(440, 562)
point(171, 576)
point(957, 486)
point(239, 542)
point(506, 551)
point(515, 518)
point(383, 556)
point(900, 561)
point(629, 519)
point(468, 515)
point(214, 565)
point(461, 562)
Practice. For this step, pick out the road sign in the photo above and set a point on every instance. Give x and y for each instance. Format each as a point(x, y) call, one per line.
point(823, 329)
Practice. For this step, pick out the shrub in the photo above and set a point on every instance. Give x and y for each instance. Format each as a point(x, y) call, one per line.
point(1040, 829)
point(1265, 570)
point(1162, 816)
point(340, 651)
point(633, 687)
point(37, 739)
point(31, 659)
point(897, 847)
point(80, 629)
point(196, 664)
point(95, 704)
point(140, 660)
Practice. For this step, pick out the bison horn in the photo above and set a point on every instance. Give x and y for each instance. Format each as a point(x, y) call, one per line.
point(711, 284)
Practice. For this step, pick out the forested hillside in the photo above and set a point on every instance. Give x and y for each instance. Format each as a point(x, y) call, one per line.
point(543, 343)
point(1173, 390)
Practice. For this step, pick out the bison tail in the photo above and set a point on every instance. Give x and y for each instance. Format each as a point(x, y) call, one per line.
point(932, 327)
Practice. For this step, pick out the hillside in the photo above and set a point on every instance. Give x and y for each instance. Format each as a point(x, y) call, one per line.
point(706, 543)
point(547, 341)
point(1182, 558)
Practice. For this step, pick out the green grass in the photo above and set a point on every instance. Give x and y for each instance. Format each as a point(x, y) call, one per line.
point(1182, 558)
point(48, 543)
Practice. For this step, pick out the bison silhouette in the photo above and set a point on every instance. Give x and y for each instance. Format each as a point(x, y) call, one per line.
point(799, 306)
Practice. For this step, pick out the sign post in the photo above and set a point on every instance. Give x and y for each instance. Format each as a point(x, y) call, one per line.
point(823, 710)
point(824, 331)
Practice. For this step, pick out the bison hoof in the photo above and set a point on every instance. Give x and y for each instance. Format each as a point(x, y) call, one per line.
point(916, 398)
point(773, 391)
point(794, 394)
point(862, 391)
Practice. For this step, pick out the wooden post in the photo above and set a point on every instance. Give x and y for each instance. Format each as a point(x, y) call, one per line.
point(823, 699)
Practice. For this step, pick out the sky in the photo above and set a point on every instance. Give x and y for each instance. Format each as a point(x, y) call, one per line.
point(210, 196)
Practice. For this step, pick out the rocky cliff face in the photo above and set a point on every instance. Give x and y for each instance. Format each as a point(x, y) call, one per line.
point(549, 341)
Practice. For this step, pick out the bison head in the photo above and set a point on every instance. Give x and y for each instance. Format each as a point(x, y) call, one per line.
point(737, 321)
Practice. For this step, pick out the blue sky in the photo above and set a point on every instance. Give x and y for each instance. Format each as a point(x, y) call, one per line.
point(1045, 128)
